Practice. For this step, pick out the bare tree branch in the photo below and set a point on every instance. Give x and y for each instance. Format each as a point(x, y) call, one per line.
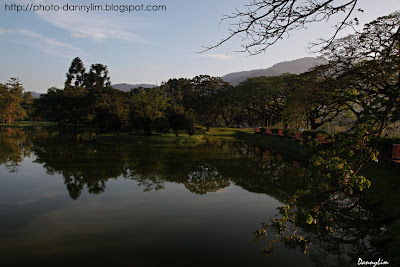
point(265, 22)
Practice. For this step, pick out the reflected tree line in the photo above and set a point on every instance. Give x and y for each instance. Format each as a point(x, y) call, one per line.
point(347, 228)
point(201, 169)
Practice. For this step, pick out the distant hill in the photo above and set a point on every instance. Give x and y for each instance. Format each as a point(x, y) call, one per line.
point(35, 95)
point(125, 87)
point(295, 66)
point(119, 86)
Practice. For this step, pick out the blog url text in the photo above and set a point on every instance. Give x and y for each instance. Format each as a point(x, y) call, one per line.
point(83, 8)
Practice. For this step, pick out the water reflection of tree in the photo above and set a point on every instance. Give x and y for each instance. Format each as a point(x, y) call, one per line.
point(205, 178)
point(148, 172)
point(81, 164)
point(203, 169)
point(347, 236)
point(347, 227)
point(14, 146)
point(151, 168)
point(345, 231)
point(209, 168)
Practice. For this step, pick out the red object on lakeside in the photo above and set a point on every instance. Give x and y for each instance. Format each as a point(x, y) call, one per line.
point(297, 135)
point(396, 153)
point(322, 139)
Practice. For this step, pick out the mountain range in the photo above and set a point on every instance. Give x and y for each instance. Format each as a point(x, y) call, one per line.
point(125, 87)
point(294, 66)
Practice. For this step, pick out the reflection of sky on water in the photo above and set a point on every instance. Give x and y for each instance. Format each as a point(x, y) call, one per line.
point(125, 224)
point(66, 202)
point(30, 184)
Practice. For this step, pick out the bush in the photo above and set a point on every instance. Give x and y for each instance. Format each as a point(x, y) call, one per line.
point(288, 132)
point(310, 134)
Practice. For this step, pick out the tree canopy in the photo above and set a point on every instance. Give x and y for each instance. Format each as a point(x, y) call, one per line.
point(11, 99)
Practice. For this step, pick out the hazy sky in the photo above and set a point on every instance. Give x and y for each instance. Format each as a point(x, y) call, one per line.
point(140, 47)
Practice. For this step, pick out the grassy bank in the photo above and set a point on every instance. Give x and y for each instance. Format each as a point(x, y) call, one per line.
point(159, 140)
point(282, 145)
point(28, 124)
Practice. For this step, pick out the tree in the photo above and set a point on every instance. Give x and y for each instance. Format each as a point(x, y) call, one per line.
point(177, 118)
point(265, 22)
point(74, 102)
point(63, 106)
point(4, 100)
point(267, 96)
point(228, 107)
point(110, 109)
point(147, 109)
point(180, 119)
point(86, 98)
point(11, 97)
point(313, 100)
point(50, 106)
point(27, 104)
point(190, 122)
point(97, 77)
point(176, 89)
point(365, 67)
point(76, 74)
point(201, 96)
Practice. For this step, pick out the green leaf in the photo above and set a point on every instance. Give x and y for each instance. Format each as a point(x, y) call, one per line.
point(310, 219)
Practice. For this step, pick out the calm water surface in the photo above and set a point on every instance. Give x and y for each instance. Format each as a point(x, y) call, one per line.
point(78, 202)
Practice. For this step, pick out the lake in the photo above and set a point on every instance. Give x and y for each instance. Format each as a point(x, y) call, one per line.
point(70, 201)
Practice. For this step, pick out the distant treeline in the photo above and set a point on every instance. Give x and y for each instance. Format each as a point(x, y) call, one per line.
point(359, 86)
